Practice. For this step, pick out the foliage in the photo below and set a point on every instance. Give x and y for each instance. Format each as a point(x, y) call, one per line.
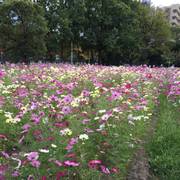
point(176, 45)
point(165, 145)
point(22, 30)
point(109, 32)
point(155, 34)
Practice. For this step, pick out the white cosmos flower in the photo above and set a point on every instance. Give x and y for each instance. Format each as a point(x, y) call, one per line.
point(102, 111)
point(53, 145)
point(83, 137)
point(44, 150)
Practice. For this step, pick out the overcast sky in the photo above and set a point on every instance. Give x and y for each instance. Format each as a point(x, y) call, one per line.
point(164, 2)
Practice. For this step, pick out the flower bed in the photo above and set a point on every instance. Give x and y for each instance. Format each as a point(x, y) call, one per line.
point(80, 122)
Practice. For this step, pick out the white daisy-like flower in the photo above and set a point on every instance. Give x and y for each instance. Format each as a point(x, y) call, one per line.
point(83, 137)
point(44, 150)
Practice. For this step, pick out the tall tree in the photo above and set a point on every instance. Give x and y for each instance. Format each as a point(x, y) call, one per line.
point(22, 30)
point(110, 30)
point(59, 31)
point(155, 33)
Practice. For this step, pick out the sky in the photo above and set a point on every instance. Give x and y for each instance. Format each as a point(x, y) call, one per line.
point(164, 2)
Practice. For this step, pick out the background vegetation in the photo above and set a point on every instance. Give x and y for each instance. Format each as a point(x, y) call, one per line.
point(164, 146)
point(109, 32)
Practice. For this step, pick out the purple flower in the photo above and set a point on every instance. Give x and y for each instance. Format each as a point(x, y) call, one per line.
point(6, 155)
point(115, 95)
point(68, 99)
point(32, 156)
point(71, 163)
point(88, 130)
point(85, 121)
point(26, 127)
point(15, 174)
point(21, 139)
point(22, 92)
point(71, 143)
point(35, 118)
point(30, 177)
point(66, 110)
point(58, 163)
point(85, 93)
point(94, 164)
point(2, 74)
point(35, 163)
point(33, 106)
point(104, 169)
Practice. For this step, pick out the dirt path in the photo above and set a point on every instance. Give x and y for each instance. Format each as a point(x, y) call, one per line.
point(139, 168)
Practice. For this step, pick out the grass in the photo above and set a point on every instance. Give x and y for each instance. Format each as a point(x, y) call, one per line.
point(164, 148)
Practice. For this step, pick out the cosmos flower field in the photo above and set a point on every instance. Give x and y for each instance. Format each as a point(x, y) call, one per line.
point(59, 121)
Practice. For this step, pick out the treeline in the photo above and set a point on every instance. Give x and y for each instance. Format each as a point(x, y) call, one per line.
point(109, 32)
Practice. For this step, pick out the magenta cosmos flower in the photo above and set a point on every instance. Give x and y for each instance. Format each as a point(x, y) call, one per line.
point(94, 164)
point(2, 74)
point(71, 163)
point(104, 169)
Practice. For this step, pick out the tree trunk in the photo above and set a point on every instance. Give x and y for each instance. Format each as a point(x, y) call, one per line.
point(71, 52)
point(62, 51)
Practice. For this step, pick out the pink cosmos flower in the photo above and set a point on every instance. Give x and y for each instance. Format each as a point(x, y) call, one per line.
point(30, 177)
point(59, 92)
point(2, 101)
point(62, 124)
point(60, 174)
point(71, 143)
point(35, 118)
point(114, 170)
point(66, 110)
point(128, 86)
point(22, 92)
point(3, 169)
point(6, 155)
point(104, 169)
point(115, 95)
point(2, 74)
point(85, 121)
point(58, 163)
point(68, 99)
point(2, 136)
point(88, 130)
point(33, 106)
point(94, 164)
point(33, 156)
point(35, 163)
point(2, 177)
point(26, 127)
point(70, 155)
point(85, 93)
point(43, 178)
point(21, 139)
point(71, 163)
point(37, 134)
point(15, 174)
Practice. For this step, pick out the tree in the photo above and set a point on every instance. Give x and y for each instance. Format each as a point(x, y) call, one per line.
point(109, 29)
point(22, 30)
point(155, 35)
point(176, 45)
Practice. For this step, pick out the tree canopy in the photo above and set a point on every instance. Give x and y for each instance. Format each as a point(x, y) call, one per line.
point(102, 31)
point(22, 30)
